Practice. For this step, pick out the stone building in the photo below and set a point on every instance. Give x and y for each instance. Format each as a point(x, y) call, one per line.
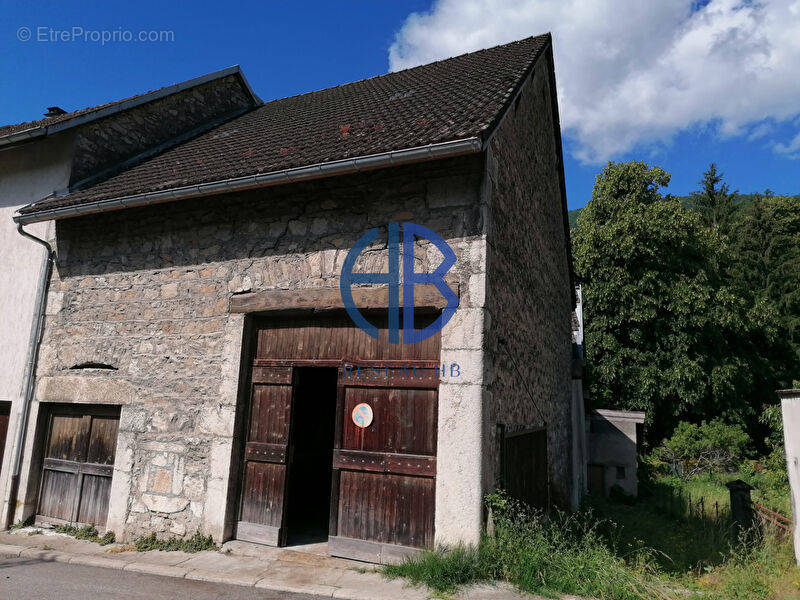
point(198, 370)
point(613, 439)
point(47, 156)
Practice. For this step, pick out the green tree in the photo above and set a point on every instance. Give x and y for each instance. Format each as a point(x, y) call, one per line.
point(710, 446)
point(766, 258)
point(665, 332)
point(714, 201)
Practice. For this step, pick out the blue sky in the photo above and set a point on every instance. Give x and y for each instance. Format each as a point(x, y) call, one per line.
point(287, 48)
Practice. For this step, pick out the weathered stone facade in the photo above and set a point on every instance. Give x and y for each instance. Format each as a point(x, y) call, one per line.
point(528, 288)
point(145, 294)
point(140, 314)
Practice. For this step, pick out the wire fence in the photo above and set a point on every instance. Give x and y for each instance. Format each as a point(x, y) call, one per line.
point(683, 505)
point(775, 519)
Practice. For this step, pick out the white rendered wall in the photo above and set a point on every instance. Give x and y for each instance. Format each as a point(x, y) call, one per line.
point(790, 407)
point(27, 173)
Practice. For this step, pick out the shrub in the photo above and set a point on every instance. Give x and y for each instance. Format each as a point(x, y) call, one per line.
point(710, 446)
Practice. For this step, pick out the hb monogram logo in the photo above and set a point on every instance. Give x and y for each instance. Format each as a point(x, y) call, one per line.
point(410, 278)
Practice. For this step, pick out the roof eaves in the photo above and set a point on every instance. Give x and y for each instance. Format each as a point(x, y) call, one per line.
point(404, 156)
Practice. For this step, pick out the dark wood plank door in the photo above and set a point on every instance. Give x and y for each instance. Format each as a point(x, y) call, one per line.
point(525, 468)
point(267, 457)
point(597, 479)
point(78, 464)
point(384, 474)
point(383, 487)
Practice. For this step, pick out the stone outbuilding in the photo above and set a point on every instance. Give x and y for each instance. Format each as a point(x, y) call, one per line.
point(613, 438)
point(199, 369)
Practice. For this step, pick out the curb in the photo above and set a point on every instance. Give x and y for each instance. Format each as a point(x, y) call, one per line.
point(9, 551)
point(267, 582)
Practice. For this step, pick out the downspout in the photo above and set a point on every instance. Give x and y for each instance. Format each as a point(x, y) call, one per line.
point(30, 373)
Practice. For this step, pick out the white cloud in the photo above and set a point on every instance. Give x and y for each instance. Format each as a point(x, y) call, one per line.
point(792, 149)
point(632, 73)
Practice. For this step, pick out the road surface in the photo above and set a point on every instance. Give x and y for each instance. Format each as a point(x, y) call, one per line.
point(33, 579)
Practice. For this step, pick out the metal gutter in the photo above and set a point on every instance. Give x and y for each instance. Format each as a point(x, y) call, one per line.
point(152, 151)
point(126, 105)
point(470, 145)
point(30, 373)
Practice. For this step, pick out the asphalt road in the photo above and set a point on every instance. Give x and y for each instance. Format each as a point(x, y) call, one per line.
point(32, 579)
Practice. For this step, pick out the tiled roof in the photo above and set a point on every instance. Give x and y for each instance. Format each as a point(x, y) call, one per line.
point(448, 100)
point(11, 129)
point(8, 130)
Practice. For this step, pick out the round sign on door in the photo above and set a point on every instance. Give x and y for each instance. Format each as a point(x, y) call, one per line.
point(362, 415)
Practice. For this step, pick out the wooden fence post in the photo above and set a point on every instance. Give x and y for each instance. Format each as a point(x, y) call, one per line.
point(741, 505)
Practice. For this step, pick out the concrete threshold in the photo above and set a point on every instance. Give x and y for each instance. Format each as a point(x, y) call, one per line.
point(301, 570)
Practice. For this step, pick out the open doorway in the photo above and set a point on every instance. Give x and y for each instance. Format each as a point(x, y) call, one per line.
point(310, 471)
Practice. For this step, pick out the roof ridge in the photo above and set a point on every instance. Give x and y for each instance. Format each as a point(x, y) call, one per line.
point(454, 103)
point(408, 69)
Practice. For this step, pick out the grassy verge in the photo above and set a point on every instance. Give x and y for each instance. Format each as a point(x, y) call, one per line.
point(763, 569)
point(614, 551)
point(562, 554)
point(767, 476)
point(678, 546)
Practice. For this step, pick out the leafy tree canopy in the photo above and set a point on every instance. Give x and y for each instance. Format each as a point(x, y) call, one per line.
point(667, 328)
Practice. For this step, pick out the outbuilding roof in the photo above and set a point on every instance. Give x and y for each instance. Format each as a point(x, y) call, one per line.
point(455, 100)
point(20, 131)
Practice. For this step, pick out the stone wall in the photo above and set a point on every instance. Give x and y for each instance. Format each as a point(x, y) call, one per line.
point(145, 292)
point(528, 289)
point(104, 143)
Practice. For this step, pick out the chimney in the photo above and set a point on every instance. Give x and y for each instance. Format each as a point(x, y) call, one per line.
point(54, 111)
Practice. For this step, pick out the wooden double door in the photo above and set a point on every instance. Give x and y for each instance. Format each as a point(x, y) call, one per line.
point(78, 463)
point(305, 453)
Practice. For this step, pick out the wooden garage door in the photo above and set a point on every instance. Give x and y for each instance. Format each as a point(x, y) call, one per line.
point(262, 508)
point(525, 468)
point(384, 475)
point(78, 464)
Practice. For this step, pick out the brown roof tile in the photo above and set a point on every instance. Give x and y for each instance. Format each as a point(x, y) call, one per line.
point(447, 100)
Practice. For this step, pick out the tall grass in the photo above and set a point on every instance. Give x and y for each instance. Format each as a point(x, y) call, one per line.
point(760, 568)
point(560, 554)
point(614, 551)
point(681, 542)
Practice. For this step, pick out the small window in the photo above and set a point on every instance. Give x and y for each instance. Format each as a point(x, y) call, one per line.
point(620, 472)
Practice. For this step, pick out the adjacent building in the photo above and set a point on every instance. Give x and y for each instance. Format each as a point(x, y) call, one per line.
point(63, 151)
point(613, 440)
point(198, 370)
